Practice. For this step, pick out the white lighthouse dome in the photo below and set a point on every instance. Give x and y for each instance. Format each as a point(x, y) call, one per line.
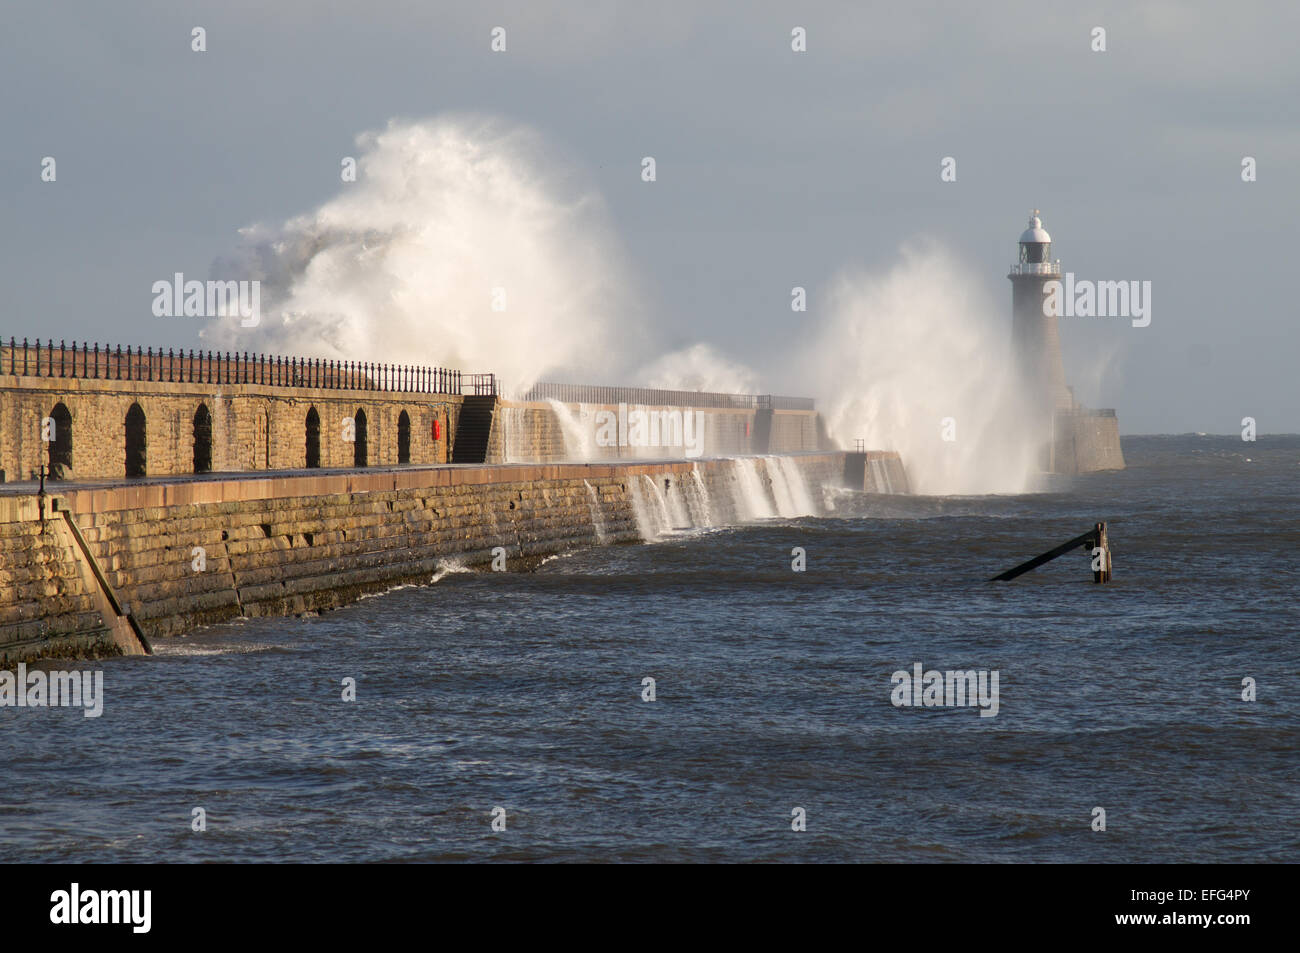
point(1035, 233)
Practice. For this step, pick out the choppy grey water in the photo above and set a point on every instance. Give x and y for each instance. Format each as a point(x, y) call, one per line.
point(524, 691)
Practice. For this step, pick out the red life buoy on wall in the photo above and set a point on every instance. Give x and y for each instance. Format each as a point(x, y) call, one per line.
point(437, 429)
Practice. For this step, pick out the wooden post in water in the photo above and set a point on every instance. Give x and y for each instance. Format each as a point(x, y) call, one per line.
point(1101, 574)
point(1094, 539)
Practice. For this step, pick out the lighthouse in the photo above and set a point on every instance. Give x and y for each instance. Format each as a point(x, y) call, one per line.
point(1036, 339)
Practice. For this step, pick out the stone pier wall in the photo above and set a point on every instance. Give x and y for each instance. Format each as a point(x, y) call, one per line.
point(253, 426)
point(185, 554)
point(1086, 443)
point(531, 432)
point(266, 427)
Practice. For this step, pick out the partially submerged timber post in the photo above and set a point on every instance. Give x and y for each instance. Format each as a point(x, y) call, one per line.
point(1094, 541)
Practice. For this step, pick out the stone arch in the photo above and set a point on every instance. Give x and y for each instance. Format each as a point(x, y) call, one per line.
point(202, 439)
point(137, 442)
point(403, 437)
point(60, 448)
point(313, 438)
point(360, 447)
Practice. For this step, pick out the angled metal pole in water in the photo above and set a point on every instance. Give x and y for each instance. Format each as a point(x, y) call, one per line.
point(1092, 539)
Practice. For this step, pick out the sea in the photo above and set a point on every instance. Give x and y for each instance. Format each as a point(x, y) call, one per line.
point(704, 697)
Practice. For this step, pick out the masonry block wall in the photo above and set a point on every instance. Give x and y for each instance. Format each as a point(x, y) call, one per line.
point(1086, 443)
point(532, 432)
point(254, 426)
point(290, 544)
point(796, 431)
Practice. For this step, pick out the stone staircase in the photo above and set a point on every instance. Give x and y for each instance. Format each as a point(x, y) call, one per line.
point(473, 430)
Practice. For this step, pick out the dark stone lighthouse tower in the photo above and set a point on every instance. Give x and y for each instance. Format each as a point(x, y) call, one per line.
point(1073, 439)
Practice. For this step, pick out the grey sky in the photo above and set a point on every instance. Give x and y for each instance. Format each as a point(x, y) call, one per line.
point(774, 168)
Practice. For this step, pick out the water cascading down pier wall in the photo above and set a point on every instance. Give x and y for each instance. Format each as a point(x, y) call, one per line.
point(186, 490)
point(186, 554)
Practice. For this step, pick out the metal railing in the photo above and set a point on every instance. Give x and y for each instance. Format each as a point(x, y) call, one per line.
point(1052, 268)
point(481, 385)
point(1087, 412)
point(90, 362)
point(592, 394)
